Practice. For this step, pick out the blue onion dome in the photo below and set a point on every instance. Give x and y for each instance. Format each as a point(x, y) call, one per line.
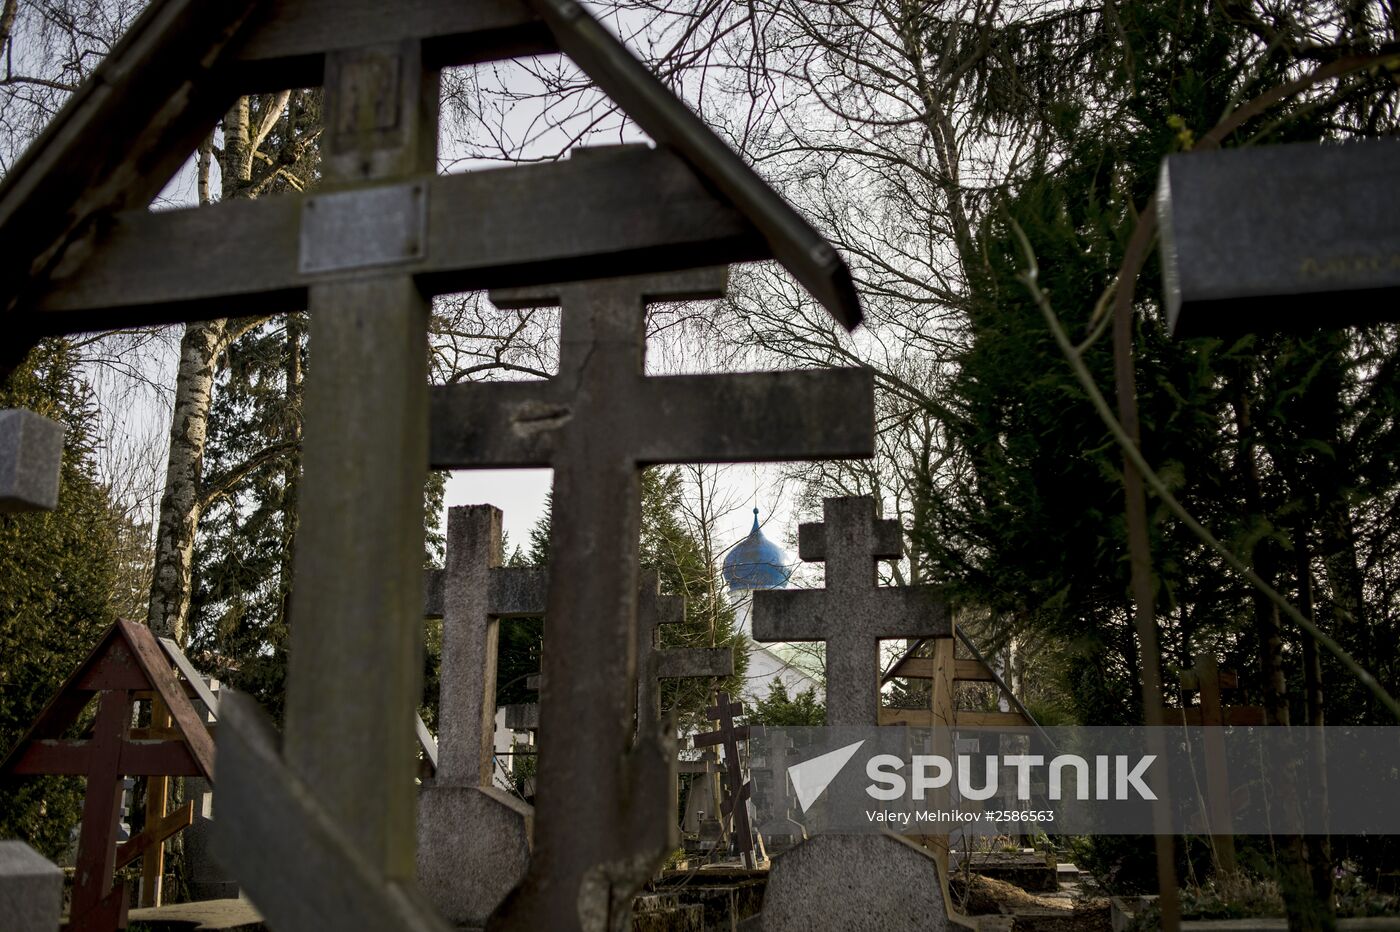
point(757, 563)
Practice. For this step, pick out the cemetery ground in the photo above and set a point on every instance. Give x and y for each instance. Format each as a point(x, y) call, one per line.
point(1053, 348)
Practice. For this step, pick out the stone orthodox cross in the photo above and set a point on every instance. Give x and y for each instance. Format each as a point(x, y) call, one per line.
point(852, 614)
point(655, 663)
point(602, 804)
point(473, 838)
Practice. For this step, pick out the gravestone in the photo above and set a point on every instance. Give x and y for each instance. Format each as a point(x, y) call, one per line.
point(734, 805)
point(126, 661)
point(853, 613)
point(473, 837)
point(205, 877)
point(860, 883)
point(1264, 238)
point(31, 890)
point(365, 254)
point(603, 792)
point(31, 453)
point(702, 800)
point(655, 663)
point(853, 881)
point(773, 796)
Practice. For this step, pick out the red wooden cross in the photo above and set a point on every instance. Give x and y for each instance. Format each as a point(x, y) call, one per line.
point(127, 661)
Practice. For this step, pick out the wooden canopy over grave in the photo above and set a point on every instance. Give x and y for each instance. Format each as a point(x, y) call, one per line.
point(365, 254)
point(83, 240)
point(126, 663)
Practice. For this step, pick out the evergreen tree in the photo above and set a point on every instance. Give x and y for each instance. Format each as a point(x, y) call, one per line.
point(1274, 441)
point(58, 591)
point(779, 709)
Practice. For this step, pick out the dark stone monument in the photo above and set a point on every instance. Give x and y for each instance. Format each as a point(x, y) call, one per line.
point(1280, 237)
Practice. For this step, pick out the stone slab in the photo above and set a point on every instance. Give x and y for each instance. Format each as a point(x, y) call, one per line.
point(1125, 909)
point(473, 848)
point(31, 452)
point(879, 883)
point(31, 889)
point(218, 915)
point(1280, 237)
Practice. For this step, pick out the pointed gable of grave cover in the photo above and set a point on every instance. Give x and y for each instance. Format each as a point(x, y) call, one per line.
point(128, 658)
point(182, 64)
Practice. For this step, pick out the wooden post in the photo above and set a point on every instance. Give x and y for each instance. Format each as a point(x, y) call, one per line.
point(942, 705)
point(157, 798)
point(1217, 781)
point(355, 671)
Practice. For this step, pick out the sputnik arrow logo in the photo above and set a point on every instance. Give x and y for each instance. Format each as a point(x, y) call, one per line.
point(811, 777)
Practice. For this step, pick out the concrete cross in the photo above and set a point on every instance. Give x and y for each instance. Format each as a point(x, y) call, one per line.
point(31, 452)
point(655, 663)
point(735, 803)
point(473, 837)
point(603, 802)
point(852, 614)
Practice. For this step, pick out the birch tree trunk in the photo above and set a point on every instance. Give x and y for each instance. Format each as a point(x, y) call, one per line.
point(182, 503)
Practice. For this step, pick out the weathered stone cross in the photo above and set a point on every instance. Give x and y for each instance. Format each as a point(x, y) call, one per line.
point(735, 803)
point(473, 838)
point(603, 813)
point(852, 614)
point(655, 663)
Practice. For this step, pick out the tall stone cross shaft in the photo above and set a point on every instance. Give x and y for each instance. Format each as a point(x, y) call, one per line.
point(852, 614)
point(471, 595)
point(601, 820)
point(473, 838)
